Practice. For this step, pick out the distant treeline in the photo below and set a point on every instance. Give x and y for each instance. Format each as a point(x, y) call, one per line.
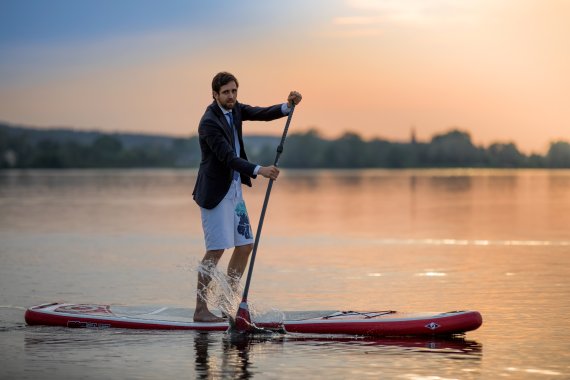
point(25, 148)
point(450, 149)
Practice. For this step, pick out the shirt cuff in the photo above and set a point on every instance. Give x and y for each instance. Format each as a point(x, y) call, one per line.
point(256, 170)
point(285, 108)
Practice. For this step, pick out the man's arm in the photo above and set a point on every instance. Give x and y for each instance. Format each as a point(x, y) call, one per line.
point(271, 171)
point(261, 113)
point(213, 136)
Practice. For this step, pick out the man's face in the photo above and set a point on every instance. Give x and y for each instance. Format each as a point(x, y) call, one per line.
point(227, 96)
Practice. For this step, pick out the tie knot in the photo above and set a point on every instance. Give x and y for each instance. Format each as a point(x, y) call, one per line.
point(231, 117)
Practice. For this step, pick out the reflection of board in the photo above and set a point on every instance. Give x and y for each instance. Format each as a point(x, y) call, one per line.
point(381, 323)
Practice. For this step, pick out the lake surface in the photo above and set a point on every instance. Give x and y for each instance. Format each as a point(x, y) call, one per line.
point(496, 241)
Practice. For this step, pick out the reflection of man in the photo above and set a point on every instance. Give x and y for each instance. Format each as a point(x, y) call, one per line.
point(223, 168)
point(235, 362)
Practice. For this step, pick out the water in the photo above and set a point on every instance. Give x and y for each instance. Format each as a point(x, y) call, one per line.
point(431, 240)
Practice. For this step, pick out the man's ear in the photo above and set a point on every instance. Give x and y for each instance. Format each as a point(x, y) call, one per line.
point(215, 95)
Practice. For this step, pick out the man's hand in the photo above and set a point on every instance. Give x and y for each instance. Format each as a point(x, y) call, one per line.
point(270, 172)
point(294, 97)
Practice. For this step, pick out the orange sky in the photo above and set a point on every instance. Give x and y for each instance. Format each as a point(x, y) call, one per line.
point(498, 69)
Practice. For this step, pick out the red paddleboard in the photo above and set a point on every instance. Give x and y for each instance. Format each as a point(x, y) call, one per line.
point(374, 323)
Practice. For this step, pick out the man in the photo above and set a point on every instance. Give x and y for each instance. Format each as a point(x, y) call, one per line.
point(223, 168)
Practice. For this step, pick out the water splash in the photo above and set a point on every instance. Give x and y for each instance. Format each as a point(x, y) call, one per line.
point(225, 294)
point(221, 293)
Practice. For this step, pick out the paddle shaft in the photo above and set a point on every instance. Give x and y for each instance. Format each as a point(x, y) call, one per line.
point(264, 208)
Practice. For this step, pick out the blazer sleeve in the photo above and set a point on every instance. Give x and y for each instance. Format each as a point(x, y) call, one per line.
point(211, 133)
point(261, 113)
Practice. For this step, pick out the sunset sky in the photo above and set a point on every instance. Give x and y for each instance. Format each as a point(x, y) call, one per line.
point(499, 69)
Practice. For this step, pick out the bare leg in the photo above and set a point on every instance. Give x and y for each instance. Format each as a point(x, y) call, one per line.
point(238, 263)
point(202, 314)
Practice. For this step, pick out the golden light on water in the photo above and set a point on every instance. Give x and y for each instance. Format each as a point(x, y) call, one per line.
point(432, 274)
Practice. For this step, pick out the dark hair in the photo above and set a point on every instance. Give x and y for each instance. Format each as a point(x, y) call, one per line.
point(221, 79)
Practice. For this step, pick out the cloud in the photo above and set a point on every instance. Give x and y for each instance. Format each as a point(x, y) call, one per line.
point(356, 26)
point(355, 20)
point(408, 12)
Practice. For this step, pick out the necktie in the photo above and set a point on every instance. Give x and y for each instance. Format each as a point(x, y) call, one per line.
point(236, 142)
point(231, 117)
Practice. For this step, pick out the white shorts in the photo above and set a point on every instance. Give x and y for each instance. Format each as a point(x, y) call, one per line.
point(227, 225)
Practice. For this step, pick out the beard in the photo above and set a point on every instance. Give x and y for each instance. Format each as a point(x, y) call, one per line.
point(228, 104)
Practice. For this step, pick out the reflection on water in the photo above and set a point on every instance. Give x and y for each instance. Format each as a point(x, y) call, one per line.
point(451, 184)
point(243, 353)
point(219, 355)
point(235, 362)
point(496, 241)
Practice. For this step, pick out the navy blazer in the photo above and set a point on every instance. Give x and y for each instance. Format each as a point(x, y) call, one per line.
point(218, 156)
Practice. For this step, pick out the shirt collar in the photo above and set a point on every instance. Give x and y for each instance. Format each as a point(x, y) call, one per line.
point(224, 111)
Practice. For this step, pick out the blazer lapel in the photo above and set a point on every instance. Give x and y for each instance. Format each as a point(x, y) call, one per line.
point(223, 122)
point(237, 122)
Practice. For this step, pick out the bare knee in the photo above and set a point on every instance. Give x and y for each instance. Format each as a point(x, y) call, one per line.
point(244, 249)
point(212, 257)
point(238, 261)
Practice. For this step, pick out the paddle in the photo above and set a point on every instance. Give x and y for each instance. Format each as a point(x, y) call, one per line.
point(243, 322)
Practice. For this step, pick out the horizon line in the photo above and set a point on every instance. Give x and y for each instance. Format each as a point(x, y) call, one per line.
point(412, 139)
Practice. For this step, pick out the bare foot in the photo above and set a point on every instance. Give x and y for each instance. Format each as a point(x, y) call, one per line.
point(207, 316)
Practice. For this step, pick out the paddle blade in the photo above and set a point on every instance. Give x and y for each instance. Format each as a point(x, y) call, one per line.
point(243, 326)
point(243, 319)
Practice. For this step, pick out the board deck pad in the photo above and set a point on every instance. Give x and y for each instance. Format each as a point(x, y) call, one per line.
point(374, 323)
